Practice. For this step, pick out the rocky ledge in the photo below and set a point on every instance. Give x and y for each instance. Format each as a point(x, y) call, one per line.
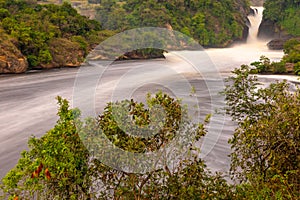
point(276, 44)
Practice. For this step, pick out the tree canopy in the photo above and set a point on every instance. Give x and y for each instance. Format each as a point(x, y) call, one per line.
point(211, 22)
point(33, 28)
point(285, 13)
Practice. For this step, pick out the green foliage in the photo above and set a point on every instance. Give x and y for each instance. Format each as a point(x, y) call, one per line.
point(291, 57)
point(292, 51)
point(297, 68)
point(56, 164)
point(263, 65)
point(290, 45)
point(212, 23)
point(286, 13)
point(141, 117)
point(278, 67)
point(33, 26)
point(266, 143)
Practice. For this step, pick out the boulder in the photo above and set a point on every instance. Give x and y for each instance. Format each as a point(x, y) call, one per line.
point(276, 44)
point(289, 67)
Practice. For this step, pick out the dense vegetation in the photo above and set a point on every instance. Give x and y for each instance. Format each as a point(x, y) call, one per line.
point(211, 22)
point(290, 63)
point(265, 146)
point(58, 165)
point(54, 35)
point(265, 151)
point(285, 13)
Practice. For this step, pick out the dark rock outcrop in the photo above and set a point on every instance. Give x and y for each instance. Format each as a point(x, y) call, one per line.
point(65, 53)
point(11, 59)
point(253, 11)
point(133, 55)
point(276, 44)
point(257, 2)
point(267, 29)
point(289, 67)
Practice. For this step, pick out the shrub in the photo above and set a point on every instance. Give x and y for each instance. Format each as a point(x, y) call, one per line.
point(297, 68)
point(278, 67)
point(263, 65)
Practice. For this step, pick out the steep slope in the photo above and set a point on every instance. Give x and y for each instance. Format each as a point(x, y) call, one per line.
point(281, 19)
point(44, 36)
point(11, 59)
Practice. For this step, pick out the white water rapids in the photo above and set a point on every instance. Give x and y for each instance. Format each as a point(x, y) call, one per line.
point(28, 105)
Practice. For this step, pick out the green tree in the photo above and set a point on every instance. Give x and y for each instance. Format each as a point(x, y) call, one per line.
point(266, 143)
point(56, 165)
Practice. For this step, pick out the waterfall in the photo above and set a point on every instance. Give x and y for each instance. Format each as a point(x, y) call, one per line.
point(255, 21)
point(227, 59)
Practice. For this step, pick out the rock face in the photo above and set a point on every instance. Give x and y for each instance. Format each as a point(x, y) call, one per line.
point(11, 59)
point(289, 67)
point(65, 53)
point(277, 44)
point(133, 55)
point(257, 2)
point(267, 29)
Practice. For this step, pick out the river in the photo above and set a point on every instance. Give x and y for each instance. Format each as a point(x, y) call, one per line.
point(28, 104)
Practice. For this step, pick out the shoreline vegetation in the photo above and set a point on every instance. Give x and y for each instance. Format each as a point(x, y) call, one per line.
point(289, 64)
point(37, 35)
point(43, 36)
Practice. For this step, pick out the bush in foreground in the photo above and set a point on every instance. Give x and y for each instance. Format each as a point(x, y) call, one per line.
point(58, 165)
point(265, 146)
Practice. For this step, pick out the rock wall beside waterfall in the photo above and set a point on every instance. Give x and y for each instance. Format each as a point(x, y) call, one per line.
point(257, 2)
point(281, 22)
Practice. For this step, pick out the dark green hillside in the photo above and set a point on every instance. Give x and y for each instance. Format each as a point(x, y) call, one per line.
point(285, 13)
point(281, 17)
point(47, 35)
point(211, 22)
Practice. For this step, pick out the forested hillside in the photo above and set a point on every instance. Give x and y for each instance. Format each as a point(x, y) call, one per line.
point(44, 36)
point(281, 18)
point(211, 22)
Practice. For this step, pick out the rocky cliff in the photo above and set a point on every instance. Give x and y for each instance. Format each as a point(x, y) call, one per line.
point(256, 2)
point(280, 21)
point(11, 59)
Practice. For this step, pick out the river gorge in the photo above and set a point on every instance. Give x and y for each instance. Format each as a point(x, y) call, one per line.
point(28, 104)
